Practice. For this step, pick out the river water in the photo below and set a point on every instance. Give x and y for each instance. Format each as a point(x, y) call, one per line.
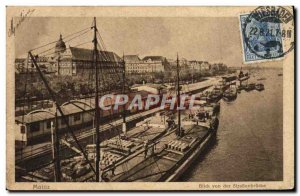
point(249, 139)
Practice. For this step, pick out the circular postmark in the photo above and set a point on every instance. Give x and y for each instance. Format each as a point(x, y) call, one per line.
point(268, 32)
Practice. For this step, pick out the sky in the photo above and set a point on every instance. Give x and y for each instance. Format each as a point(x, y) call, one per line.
point(207, 39)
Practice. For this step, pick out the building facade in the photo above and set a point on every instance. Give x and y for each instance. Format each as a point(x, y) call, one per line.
point(205, 65)
point(219, 67)
point(149, 64)
point(79, 61)
point(199, 65)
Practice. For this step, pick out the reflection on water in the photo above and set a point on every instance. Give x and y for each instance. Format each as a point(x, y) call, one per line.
point(249, 139)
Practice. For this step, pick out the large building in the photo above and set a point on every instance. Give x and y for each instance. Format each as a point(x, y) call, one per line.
point(133, 64)
point(78, 61)
point(156, 63)
point(205, 65)
point(184, 64)
point(199, 65)
point(22, 67)
point(195, 65)
point(149, 64)
point(219, 67)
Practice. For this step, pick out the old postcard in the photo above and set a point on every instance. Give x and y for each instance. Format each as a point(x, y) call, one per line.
point(150, 98)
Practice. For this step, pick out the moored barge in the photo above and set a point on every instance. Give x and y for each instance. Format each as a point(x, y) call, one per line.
point(230, 94)
point(259, 87)
point(177, 152)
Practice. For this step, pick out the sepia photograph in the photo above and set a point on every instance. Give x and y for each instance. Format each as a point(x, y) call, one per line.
point(166, 98)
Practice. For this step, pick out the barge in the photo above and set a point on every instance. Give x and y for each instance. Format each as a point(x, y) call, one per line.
point(176, 152)
point(259, 87)
point(230, 94)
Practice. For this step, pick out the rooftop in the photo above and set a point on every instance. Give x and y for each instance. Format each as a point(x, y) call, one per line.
point(131, 58)
point(71, 108)
point(87, 55)
point(154, 58)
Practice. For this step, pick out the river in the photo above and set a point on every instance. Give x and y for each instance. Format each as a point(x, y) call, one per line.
point(249, 139)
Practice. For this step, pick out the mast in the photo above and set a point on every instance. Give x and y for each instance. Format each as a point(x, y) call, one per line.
point(63, 117)
point(193, 73)
point(97, 109)
point(55, 148)
point(124, 128)
point(178, 97)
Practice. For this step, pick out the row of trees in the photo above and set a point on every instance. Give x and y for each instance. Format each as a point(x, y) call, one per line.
point(68, 87)
point(170, 76)
point(64, 87)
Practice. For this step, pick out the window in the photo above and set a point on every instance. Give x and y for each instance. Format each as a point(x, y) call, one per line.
point(77, 117)
point(23, 129)
point(35, 127)
point(62, 122)
point(48, 124)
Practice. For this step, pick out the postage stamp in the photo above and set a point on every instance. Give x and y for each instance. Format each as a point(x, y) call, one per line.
point(267, 33)
point(149, 99)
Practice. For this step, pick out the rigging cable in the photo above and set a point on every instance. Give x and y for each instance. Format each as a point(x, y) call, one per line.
point(25, 92)
point(61, 112)
point(107, 59)
point(48, 54)
point(52, 42)
point(68, 40)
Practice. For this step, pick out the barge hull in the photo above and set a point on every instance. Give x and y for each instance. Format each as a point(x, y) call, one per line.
point(169, 165)
point(177, 174)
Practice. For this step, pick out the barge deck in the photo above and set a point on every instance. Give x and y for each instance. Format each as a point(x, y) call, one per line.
point(174, 157)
